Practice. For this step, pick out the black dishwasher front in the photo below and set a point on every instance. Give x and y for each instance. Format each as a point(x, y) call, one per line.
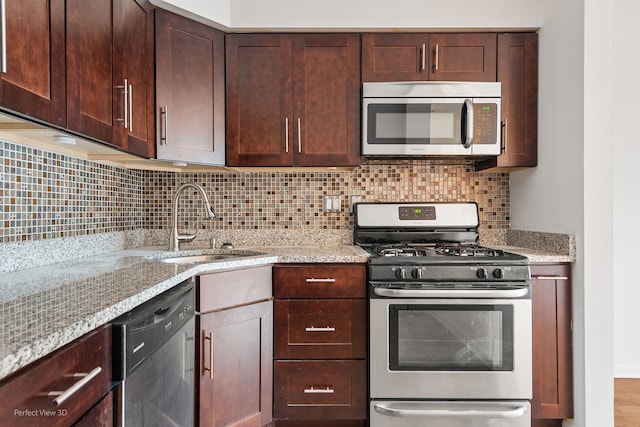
point(153, 361)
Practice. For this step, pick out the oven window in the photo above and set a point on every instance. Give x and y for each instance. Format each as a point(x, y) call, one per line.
point(450, 337)
point(428, 123)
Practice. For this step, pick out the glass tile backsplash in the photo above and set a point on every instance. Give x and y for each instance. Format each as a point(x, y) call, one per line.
point(47, 195)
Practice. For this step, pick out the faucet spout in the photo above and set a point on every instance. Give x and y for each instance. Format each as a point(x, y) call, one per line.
point(176, 236)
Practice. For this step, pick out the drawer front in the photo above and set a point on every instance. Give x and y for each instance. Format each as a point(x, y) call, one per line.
point(85, 364)
point(320, 329)
point(219, 291)
point(315, 390)
point(320, 281)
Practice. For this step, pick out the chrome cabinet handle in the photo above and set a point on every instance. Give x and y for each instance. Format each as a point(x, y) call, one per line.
point(327, 280)
point(85, 378)
point(299, 137)
point(125, 97)
point(164, 113)
point(130, 108)
point(286, 134)
point(210, 368)
point(445, 411)
point(468, 137)
point(324, 390)
point(314, 329)
point(436, 63)
point(3, 23)
point(424, 56)
point(551, 277)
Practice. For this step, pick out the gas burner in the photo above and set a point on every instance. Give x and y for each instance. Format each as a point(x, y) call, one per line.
point(468, 250)
point(402, 251)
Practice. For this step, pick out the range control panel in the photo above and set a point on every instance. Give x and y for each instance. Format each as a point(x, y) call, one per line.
point(412, 213)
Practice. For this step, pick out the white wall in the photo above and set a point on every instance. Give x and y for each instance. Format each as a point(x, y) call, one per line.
point(626, 202)
point(570, 191)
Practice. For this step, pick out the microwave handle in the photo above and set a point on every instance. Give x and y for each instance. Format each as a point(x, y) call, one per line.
point(467, 123)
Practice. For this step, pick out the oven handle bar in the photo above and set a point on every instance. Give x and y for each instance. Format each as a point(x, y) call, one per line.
point(450, 293)
point(443, 411)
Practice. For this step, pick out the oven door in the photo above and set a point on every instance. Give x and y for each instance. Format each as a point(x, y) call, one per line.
point(450, 348)
point(450, 414)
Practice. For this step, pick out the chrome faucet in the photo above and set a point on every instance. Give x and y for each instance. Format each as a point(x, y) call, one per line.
point(176, 237)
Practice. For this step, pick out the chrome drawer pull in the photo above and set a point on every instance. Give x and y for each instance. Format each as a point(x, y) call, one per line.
point(551, 277)
point(62, 396)
point(327, 280)
point(314, 329)
point(313, 390)
point(210, 368)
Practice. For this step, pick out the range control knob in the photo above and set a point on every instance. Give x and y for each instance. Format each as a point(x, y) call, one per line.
point(481, 273)
point(401, 273)
point(416, 273)
point(498, 273)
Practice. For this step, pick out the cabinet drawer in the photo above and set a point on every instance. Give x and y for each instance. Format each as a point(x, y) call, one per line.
point(218, 291)
point(313, 390)
point(319, 281)
point(320, 329)
point(86, 363)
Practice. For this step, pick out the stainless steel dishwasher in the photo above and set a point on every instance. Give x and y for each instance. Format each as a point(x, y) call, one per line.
point(153, 361)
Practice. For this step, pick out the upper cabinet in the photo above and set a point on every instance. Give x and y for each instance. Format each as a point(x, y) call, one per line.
point(33, 65)
point(518, 72)
point(423, 56)
point(293, 99)
point(110, 72)
point(190, 98)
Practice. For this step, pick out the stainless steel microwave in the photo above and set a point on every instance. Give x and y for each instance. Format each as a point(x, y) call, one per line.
point(431, 119)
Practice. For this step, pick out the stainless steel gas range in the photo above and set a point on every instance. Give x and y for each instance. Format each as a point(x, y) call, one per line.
point(450, 321)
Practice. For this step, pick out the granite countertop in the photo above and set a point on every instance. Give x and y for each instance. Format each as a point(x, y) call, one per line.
point(46, 307)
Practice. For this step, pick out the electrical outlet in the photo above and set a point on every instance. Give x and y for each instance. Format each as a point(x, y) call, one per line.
point(353, 199)
point(331, 204)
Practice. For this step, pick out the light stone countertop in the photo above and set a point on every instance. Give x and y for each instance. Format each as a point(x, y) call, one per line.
point(44, 308)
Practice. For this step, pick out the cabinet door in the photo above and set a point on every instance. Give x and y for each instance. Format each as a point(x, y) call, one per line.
point(35, 65)
point(552, 354)
point(235, 373)
point(260, 121)
point(326, 90)
point(395, 57)
point(463, 57)
point(90, 90)
point(133, 62)
point(189, 90)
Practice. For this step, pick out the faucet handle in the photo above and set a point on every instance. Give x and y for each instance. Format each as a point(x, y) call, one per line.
point(186, 237)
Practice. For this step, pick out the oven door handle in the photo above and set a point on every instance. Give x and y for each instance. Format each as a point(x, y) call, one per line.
point(443, 410)
point(450, 293)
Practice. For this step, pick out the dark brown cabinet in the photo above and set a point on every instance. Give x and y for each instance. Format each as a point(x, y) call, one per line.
point(81, 369)
point(424, 56)
point(293, 99)
point(552, 350)
point(110, 72)
point(320, 369)
point(190, 93)
point(518, 72)
point(235, 348)
point(34, 81)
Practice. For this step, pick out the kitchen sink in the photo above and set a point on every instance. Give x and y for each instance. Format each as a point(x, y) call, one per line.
point(196, 258)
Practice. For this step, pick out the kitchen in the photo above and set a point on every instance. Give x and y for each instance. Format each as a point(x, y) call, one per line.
point(554, 186)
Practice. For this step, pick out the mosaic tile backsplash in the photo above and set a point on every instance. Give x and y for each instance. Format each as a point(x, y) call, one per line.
point(47, 195)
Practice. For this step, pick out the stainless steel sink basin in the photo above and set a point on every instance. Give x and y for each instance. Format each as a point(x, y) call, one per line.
point(190, 258)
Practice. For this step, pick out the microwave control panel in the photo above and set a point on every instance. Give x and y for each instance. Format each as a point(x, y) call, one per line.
point(485, 123)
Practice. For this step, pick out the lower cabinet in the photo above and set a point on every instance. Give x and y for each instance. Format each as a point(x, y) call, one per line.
point(552, 350)
point(235, 348)
point(68, 387)
point(320, 367)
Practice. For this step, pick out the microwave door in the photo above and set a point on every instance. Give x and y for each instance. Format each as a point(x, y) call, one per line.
point(413, 126)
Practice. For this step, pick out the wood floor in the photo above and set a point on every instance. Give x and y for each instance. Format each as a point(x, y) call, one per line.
point(627, 402)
